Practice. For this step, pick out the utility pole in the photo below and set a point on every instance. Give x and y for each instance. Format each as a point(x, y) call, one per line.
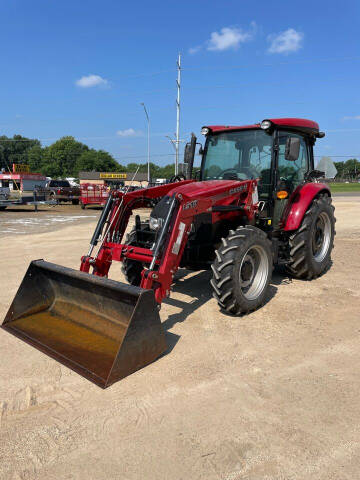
point(148, 142)
point(171, 140)
point(178, 81)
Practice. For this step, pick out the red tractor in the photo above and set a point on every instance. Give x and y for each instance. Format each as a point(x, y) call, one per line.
point(256, 202)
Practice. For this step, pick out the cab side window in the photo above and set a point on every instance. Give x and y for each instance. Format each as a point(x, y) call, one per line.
point(293, 172)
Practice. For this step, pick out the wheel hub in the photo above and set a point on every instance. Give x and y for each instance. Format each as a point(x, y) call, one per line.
point(321, 237)
point(253, 272)
point(247, 271)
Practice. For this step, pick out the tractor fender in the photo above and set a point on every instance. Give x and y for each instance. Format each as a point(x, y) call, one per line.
point(299, 202)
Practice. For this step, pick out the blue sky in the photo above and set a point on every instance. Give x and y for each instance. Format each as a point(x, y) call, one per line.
point(82, 69)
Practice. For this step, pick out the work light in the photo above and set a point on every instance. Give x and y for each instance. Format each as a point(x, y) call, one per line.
point(265, 124)
point(155, 223)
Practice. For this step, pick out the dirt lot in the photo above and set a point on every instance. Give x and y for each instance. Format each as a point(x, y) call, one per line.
point(271, 395)
point(24, 220)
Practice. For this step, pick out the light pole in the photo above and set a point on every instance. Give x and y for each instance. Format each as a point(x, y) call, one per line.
point(148, 140)
point(171, 140)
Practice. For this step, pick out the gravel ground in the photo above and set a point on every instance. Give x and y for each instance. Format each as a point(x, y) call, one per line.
point(271, 395)
point(25, 221)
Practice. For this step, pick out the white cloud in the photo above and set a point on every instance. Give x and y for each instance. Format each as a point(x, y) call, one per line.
point(355, 117)
point(226, 38)
point(128, 132)
point(91, 81)
point(194, 50)
point(285, 42)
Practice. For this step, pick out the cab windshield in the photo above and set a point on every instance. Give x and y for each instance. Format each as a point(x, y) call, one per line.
point(241, 155)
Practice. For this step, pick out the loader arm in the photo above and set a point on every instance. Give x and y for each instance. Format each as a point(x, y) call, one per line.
point(223, 199)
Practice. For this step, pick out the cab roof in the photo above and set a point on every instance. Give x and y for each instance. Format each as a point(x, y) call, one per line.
point(300, 124)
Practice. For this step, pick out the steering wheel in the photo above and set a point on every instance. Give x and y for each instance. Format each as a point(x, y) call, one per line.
point(223, 172)
point(177, 178)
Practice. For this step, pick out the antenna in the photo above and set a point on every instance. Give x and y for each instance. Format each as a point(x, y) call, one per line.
point(178, 81)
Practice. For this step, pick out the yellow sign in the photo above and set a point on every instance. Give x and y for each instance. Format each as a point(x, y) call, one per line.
point(113, 175)
point(20, 168)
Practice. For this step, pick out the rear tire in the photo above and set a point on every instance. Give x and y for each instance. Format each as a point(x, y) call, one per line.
point(311, 245)
point(131, 268)
point(242, 270)
point(75, 202)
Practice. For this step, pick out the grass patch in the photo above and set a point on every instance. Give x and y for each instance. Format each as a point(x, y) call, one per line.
point(344, 187)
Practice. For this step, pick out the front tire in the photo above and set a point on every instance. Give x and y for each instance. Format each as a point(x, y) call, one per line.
point(242, 270)
point(311, 245)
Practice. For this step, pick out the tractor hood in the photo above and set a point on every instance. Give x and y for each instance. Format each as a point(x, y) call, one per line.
point(209, 193)
point(208, 188)
point(213, 190)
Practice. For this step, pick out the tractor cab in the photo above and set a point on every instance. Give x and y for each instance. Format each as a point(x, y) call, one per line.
point(277, 152)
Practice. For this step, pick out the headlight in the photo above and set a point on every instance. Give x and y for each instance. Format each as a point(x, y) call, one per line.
point(205, 131)
point(265, 124)
point(155, 223)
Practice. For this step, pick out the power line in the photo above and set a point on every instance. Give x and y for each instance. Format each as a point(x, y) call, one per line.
point(337, 156)
point(250, 65)
point(112, 137)
point(130, 157)
point(277, 64)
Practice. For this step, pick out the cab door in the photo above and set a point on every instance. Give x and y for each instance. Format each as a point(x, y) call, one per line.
point(289, 173)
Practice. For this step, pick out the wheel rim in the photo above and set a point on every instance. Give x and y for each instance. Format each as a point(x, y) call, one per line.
point(254, 271)
point(321, 237)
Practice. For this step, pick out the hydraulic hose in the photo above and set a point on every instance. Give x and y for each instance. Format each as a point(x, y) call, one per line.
point(163, 232)
point(100, 224)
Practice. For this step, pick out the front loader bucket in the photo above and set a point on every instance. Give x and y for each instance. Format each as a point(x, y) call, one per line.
point(102, 329)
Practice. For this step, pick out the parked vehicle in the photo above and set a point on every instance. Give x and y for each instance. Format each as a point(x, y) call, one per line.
point(93, 194)
point(62, 191)
point(22, 188)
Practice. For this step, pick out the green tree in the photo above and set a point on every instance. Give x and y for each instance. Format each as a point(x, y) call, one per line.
point(167, 171)
point(352, 168)
point(155, 170)
point(15, 150)
point(97, 160)
point(340, 169)
point(35, 158)
point(348, 170)
point(59, 159)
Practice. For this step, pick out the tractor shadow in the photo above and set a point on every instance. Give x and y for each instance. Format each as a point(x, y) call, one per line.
point(198, 287)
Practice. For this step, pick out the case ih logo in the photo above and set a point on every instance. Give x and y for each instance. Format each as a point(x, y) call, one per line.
point(237, 189)
point(191, 204)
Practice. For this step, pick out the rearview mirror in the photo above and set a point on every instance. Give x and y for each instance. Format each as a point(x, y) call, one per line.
point(292, 148)
point(189, 154)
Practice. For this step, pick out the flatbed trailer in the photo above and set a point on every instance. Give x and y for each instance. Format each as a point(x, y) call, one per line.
point(36, 200)
point(93, 194)
point(21, 187)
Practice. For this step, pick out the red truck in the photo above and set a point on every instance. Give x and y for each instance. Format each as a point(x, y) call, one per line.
point(62, 191)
